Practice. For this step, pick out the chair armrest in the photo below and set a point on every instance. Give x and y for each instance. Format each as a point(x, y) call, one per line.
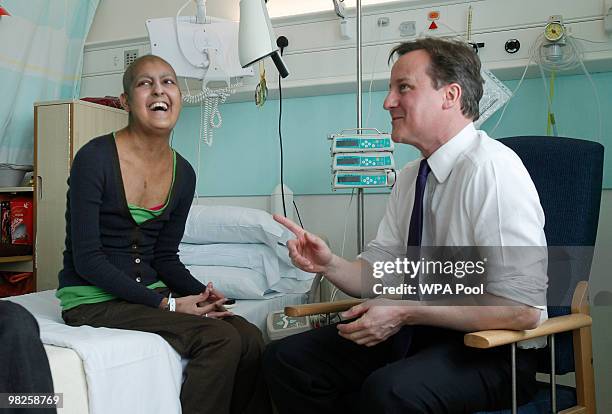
point(497, 337)
point(323, 307)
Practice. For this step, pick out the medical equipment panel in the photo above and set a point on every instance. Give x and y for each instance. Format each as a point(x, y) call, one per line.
point(280, 325)
point(359, 143)
point(363, 160)
point(363, 179)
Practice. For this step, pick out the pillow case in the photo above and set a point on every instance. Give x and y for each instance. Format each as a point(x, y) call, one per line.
point(231, 224)
point(244, 283)
point(234, 282)
point(258, 257)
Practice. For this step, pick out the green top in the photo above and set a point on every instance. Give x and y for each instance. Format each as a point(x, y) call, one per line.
point(73, 296)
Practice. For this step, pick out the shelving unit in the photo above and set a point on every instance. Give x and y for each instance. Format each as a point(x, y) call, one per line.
point(14, 255)
point(16, 262)
point(16, 190)
point(15, 259)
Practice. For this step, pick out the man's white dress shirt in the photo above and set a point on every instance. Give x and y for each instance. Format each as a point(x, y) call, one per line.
point(477, 194)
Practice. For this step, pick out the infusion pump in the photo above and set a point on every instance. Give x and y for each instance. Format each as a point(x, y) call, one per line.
point(362, 158)
point(363, 179)
point(360, 143)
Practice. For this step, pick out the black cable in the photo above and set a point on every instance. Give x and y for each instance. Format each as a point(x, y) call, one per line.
point(281, 42)
point(280, 140)
point(298, 213)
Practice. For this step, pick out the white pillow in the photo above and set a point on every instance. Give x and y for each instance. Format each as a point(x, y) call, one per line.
point(243, 283)
point(258, 257)
point(231, 224)
point(289, 271)
point(286, 285)
point(234, 282)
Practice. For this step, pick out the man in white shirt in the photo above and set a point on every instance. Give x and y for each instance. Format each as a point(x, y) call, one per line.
point(467, 190)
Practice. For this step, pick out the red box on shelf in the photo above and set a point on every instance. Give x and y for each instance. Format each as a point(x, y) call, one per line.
point(5, 222)
point(15, 283)
point(21, 220)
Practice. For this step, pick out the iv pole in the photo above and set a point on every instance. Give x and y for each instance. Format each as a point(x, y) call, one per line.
point(360, 191)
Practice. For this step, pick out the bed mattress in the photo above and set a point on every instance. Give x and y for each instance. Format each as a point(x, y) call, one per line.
point(67, 369)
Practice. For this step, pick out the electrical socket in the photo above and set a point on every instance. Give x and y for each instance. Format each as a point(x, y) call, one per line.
point(383, 21)
point(129, 56)
point(407, 28)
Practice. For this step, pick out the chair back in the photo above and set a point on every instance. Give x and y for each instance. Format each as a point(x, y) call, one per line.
point(567, 174)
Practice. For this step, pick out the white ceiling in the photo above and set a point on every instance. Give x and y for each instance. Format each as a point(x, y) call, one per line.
point(120, 19)
point(278, 8)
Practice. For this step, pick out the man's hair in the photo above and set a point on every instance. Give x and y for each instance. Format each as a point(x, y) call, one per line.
point(130, 72)
point(450, 62)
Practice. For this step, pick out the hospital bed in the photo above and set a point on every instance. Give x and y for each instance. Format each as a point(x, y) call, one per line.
point(102, 370)
point(68, 369)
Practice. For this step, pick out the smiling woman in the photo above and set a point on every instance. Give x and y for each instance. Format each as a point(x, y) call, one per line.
point(128, 199)
point(153, 100)
point(150, 83)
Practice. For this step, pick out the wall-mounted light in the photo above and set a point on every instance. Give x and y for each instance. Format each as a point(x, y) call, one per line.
point(190, 44)
point(4, 12)
point(256, 38)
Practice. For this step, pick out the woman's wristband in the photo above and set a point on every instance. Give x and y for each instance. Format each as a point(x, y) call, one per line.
point(168, 304)
point(171, 303)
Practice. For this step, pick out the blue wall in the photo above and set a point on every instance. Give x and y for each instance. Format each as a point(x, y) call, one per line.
point(244, 159)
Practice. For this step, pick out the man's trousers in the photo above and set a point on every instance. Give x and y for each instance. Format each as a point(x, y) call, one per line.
point(320, 372)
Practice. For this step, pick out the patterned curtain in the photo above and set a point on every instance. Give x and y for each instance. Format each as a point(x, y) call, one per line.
point(41, 58)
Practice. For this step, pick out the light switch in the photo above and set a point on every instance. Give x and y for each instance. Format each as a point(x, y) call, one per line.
point(407, 28)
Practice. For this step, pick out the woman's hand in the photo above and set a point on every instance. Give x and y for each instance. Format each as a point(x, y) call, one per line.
point(215, 309)
point(214, 293)
point(202, 305)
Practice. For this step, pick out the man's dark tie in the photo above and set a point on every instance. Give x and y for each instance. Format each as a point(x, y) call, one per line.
point(401, 340)
point(415, 231)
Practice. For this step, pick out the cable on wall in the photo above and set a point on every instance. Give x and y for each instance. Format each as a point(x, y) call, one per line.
point(282, 42)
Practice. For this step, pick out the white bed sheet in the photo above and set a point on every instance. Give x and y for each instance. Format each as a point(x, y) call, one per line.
point(121, 366)
point(68, 379)
point(70, 376)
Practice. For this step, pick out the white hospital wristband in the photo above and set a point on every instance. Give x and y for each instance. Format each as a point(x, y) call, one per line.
point(171, 304)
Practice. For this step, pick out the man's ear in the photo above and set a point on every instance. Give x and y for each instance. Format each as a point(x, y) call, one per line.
point(123, 98)
point(452, 95)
